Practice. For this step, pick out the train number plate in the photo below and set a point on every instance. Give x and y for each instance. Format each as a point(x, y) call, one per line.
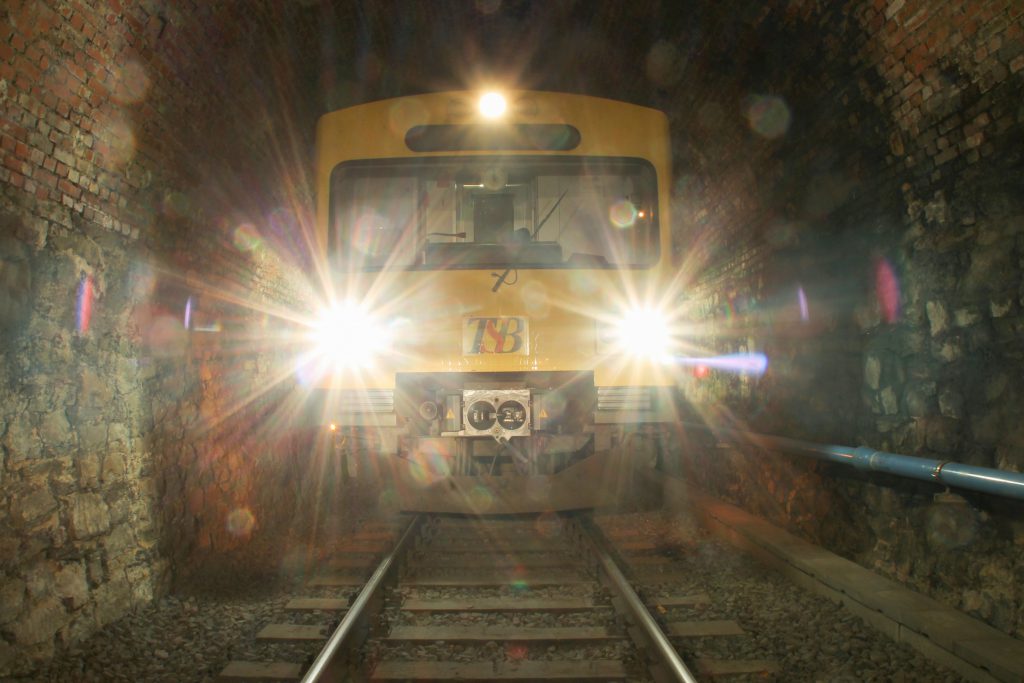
point(508, 335)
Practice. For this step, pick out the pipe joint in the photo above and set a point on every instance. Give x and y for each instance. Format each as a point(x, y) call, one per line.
point(865, 458)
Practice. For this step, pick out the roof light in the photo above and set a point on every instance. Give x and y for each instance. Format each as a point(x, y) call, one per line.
point(493, 105)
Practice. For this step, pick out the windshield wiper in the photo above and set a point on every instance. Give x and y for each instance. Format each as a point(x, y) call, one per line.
point(548, 215)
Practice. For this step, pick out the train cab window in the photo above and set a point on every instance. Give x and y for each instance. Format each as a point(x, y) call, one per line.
point(493, 218)
point(522, 211)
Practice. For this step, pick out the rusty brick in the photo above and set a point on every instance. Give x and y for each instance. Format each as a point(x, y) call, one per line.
point(70, 188)
point(44, 177)
point(912, 88)
point(76, 71)
point(14, 164)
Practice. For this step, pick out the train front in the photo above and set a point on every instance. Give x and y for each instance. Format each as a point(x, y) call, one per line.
point(497, 334)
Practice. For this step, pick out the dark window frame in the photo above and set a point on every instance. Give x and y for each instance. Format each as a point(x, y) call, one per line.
point(568, 264)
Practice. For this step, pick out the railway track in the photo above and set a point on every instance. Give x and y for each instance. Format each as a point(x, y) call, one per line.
point(505, 600)
point(650, 555)
point(536, 598)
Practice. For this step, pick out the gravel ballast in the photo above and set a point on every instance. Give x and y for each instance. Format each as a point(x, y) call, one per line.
point(214, 617)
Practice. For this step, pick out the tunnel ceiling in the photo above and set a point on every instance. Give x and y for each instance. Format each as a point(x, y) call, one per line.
point(371, 50)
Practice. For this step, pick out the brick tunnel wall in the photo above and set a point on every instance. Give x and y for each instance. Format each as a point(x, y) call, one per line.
point(151, 159)
point(852, 208)
point(154, 153)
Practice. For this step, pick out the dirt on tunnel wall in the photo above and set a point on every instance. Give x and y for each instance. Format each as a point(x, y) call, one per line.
point(846, 200)
point(850, 210)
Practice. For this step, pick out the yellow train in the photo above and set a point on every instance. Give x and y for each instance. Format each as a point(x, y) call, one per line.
point(499, 325)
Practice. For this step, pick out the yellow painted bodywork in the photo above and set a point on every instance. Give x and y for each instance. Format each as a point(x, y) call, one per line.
point(563, 306)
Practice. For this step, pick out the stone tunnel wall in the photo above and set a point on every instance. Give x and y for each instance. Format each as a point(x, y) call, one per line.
point(852, 209)
point(151, 163)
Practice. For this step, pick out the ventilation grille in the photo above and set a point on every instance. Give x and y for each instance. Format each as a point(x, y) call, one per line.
point(368, 401)
point(624, 398)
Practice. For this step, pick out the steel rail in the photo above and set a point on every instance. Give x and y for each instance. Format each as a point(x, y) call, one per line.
point(635, 605)
point(347, 626)
point(945, 472)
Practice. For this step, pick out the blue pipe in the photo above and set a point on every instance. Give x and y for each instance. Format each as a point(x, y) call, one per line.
point(983, 479)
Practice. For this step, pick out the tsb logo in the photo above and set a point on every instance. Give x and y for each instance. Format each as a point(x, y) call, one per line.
point(495, 335)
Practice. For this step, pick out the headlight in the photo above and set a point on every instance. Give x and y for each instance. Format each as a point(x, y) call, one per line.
point(347, 335)
point(492, 105)
point(640, 332)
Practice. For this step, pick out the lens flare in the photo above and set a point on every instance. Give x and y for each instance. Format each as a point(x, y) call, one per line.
point(535, 299)
point(887, 289)
point(582, 282)
point(622, 213)
point(741, 363)
point(115, 139)
point(664, 65)
point(802, 301)
point(487, 6)
point(240, 522)
point(768, 116)
point(246, 237)
point(480, 498)
point(388, 498)
point(368, 233)
point(175, 204)
point(188, 313)
point(131, 85)
point(406, 114)
point(428, 465)
point(516, 651)
point(83, 311)
point(549, 525)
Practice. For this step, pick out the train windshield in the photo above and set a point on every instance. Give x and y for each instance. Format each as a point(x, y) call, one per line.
point(481, 212)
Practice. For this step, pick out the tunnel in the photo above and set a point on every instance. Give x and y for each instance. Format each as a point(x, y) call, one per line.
point(846, 205)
